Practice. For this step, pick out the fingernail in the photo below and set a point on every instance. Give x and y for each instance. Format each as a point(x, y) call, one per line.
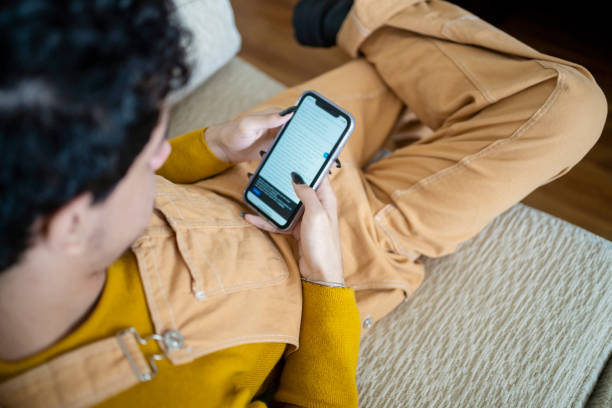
point(262, 152)
point(242, 214)
point(338, 162)
point(297, 179)
point(249, 175)
point(288, 110)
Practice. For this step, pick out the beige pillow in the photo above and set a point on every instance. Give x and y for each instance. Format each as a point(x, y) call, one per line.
point(215, 39)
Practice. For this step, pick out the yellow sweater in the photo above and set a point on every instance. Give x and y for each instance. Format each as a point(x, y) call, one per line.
point(320, 374)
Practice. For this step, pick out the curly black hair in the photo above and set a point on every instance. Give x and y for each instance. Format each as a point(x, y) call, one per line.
point(81, 87)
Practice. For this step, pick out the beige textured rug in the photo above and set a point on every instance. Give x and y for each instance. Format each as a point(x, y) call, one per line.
point(519, 316)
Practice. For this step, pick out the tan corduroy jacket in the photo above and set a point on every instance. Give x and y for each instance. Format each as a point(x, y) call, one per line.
point(248, 295)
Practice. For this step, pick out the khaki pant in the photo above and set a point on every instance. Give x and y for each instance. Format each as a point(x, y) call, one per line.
point(496, 120)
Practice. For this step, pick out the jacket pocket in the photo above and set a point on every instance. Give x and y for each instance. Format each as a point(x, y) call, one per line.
point(222, 252)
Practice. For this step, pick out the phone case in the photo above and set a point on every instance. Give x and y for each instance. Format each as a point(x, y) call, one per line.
point(322, 174)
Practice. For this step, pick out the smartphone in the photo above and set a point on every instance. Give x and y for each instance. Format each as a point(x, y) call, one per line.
point(308, 144)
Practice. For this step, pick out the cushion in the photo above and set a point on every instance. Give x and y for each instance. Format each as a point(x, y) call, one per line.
point(215, 39)
point(518, 316)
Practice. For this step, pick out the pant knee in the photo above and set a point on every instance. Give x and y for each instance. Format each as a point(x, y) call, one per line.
point(581, 110)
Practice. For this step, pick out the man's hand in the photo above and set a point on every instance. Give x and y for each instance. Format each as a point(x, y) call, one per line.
point(317, 232)
point(241, 139)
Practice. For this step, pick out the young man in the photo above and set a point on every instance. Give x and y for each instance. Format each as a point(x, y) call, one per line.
point(83, 126)
point(202, 306)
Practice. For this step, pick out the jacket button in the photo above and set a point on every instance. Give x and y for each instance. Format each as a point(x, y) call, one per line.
point(367, 322)
point(173, 339)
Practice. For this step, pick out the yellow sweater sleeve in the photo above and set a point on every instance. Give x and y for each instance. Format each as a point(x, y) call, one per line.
point(191, 159)
point(321, 373)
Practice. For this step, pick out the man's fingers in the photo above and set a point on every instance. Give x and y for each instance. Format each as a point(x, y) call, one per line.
point(267, 111)
point(275, 120)
point(268, 120)
point(259, 222)
point(327, 197)
point(308, 197)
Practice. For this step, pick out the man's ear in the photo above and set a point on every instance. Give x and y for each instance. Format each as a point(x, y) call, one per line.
point(68, 229)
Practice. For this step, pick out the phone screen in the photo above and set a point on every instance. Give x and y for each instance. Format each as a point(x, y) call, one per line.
point(308, 142)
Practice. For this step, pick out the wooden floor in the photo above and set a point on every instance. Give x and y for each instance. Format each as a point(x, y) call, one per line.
point(582, 197)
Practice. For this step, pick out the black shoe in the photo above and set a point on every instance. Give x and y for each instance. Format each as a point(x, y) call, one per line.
point(317, 22)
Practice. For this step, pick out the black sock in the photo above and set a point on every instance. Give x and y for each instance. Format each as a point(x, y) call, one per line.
point(317, 22)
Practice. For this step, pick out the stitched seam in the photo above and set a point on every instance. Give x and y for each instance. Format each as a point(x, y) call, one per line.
point(197, 239)
point(395, 238)
point(359, 25)
point(165, 296)
point(249, 285)
point(197, 280)
point(461, 164)
point(178, 236)
point(465, 72)
point(448, 23)
point(147, 284)
point(498, 143)
point(223, 289)
point(201, 250)
point(398, 248)
point(261, 336)
point(245, 340)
